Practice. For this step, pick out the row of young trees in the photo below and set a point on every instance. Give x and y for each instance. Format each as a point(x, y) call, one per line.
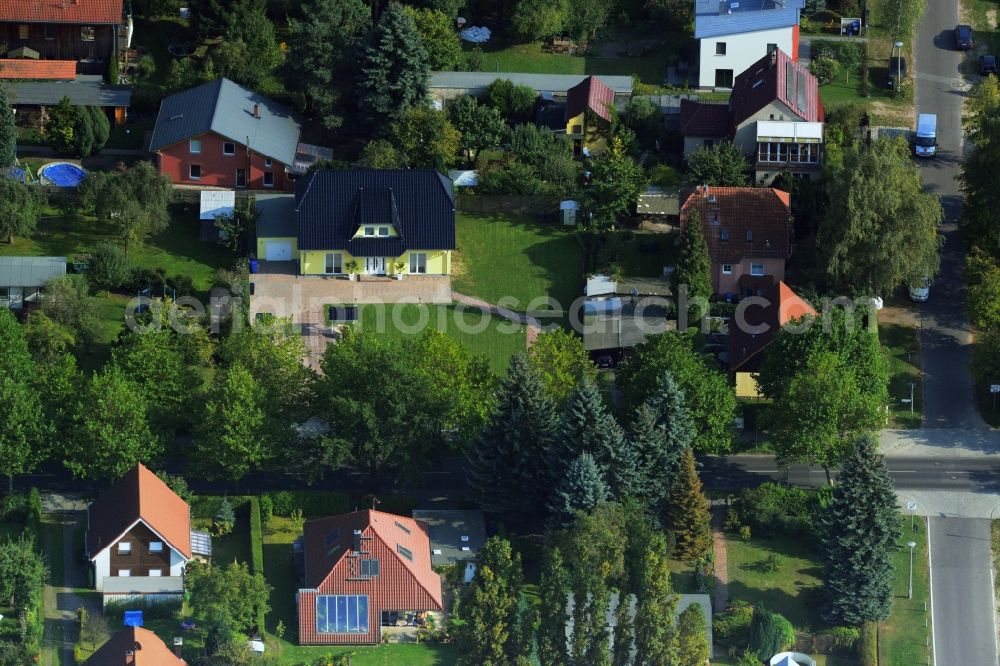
point(608, 562)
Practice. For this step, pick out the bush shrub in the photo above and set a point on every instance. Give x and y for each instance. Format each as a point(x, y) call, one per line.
point(868, 644)
point(773, 507)
point(114, 611)
point(770, 633)
point(207, 506)
point(311, 502)
point(844, 638)
point(266, 508)
point(732, 625)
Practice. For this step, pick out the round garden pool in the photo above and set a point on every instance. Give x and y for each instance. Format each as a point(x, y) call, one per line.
point(61, 174)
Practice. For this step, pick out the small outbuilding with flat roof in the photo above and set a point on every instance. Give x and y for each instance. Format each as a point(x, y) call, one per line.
point(23, 278)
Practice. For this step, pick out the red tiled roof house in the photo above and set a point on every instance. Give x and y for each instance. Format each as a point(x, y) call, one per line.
point(749, 235)
point(588, 111)
point(364, 570)
point(774, 115)
point(750, 336)
point(139, 539)
point(134, 646)
point(83, 31)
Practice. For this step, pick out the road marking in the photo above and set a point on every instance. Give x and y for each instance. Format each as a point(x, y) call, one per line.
point(902, 471)
point(930, 592)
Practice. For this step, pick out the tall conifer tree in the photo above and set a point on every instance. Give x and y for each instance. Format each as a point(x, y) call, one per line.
point(8, 133)
point(554, 593)
point(688, 514)
point(393, 67)
point(586, 426)
point(694, 267)
point(581, 489)
point(858, 532)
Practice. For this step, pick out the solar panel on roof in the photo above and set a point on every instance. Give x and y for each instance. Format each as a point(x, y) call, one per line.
point(332, 537)
point(800, 93)
point(789, 81)
point(201, 543)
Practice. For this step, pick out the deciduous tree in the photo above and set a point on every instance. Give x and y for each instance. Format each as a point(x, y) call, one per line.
point(858, 533)
point(655, 631)
point(439, 37)
point(230, 440)
point(23, 437)
point(20, 208)
point(229, 597)
point(60, 128)
point(616, 183)
point(480, 126)
point(881, 230)
point(134, 200)
point(554, 593)
point(708, 397)
point(8, 131)
point(534, 20)
point(692, 643)
point(495, 631)
point(562, 363)
point(250, 51)
point(720, 165)
point(393, 68)
point(111, 430)
point(381, 154)
point(426, 138)
point(516, 102)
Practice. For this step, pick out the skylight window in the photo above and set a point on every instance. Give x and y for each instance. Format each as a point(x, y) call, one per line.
point(402, 527)
point(405, 552)
point(332, 537)
point(758, 84)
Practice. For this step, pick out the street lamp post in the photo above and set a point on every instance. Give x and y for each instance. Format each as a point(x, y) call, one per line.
point(909, 592)
point(912, 506)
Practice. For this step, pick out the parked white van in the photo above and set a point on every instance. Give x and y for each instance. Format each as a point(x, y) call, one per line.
point(925, 144)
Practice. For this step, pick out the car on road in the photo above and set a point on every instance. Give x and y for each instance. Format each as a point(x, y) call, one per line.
point(925, 141)
point(988, 65)
point(963, 37)
point(897, 70)
point(921, 291)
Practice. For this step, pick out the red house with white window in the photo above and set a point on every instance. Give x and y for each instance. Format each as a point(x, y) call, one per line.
point(364, 571)
point(222, 135)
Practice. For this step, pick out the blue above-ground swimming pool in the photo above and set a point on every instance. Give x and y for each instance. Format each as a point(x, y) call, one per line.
point(61, 174)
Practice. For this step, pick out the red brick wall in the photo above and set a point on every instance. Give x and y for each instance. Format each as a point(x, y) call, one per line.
point(394, 589)
point(217, 169)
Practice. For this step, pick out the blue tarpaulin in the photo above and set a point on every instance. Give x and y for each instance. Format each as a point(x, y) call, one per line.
point(133, 618)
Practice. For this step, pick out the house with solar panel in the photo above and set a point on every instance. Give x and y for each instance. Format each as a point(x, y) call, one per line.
point(373, 222)
point(220, 134)
point(775, 115)
point(734, 34)
point(366, 575)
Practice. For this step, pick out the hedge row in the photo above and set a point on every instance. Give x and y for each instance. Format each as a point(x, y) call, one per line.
point(868, 645)
point(310, 502)
point(257, 548)
point(207, 506)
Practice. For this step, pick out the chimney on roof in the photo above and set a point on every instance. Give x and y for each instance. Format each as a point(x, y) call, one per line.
point(357, 541)
point(774, 57)
point(256, 110)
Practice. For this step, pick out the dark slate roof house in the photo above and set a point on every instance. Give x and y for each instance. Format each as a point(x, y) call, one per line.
point(332, 205)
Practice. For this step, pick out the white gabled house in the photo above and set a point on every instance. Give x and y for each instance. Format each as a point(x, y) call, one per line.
point(734, 34)
point(139, 539)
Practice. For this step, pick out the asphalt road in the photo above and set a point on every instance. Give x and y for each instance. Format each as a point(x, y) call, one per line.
point(962, 593)
point(949, 400)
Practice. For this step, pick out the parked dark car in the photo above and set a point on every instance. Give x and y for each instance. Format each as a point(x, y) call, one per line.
point(963, 37)
point(897, 68)
point(988, 65)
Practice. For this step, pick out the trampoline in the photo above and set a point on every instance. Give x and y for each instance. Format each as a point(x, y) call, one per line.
point(61, 174)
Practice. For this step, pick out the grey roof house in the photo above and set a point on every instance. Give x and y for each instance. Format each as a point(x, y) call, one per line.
point(23, 278)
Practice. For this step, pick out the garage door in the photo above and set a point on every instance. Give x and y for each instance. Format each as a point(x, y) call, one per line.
point(278, 251)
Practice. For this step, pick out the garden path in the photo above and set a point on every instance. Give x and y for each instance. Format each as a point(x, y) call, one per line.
point(721, 600)
point(534, 327)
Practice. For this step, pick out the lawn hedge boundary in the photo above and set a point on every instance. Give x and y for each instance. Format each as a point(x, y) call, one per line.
point(257, 548)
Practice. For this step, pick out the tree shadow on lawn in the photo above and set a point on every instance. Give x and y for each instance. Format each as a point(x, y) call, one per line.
point(800, 608)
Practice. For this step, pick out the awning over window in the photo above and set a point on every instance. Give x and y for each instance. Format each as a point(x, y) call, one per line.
point(787, 132)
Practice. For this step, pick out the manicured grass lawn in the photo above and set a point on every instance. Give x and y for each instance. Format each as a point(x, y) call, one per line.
point(636, 262)
point(495, 338)
point(902, 346)
point(903, 637)
point(389, 654)
point(781, 590)
point(651, 69)
point(516, 257)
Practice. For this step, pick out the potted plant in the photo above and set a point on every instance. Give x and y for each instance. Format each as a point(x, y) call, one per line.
point(351, 267)
point(399, 269)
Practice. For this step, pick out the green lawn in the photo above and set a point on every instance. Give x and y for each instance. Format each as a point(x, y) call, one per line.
point(903, 637)
point(902, 345)
point(495, 338)
point(982, 15)
point(637, 262)
point(780, 591)
point(650, 69)
point(516, 257)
